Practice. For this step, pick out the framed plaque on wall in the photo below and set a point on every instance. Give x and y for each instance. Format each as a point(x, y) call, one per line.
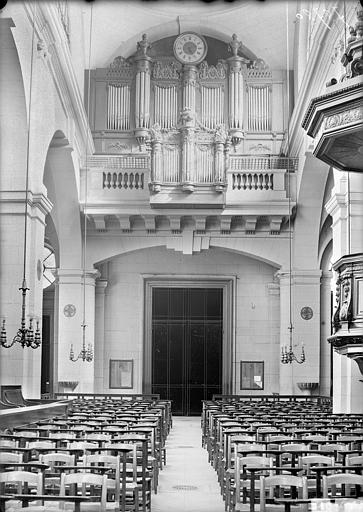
point(252, 375)
point(121, 373)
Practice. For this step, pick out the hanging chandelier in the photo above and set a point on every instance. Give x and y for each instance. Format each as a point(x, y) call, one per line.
point(288, 355)
point(25, 336)
point(86, 352)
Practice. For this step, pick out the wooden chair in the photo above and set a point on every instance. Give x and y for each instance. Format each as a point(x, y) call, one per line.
point(342, 484)
point(20, 482)
point(306, 462)
point(282, 486)
point(126, 493)
point(86, 484)
point(54, 461)
point(238, 488)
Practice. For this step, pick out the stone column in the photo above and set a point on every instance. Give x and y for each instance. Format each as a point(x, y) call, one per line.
point(286, 374)
point(100, 368)
point(21, 366)
point(305, 302)
point(273, 362)
point(69, 304)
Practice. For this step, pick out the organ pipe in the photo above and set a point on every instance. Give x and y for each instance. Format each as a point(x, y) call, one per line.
point(165, 106)
point(212, 99)
point(259, 106)
point(118, 107)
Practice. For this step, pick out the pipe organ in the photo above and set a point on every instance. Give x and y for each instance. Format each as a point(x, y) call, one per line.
point(187, 114)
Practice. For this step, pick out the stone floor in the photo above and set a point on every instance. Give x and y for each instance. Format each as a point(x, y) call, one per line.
point(187, 483)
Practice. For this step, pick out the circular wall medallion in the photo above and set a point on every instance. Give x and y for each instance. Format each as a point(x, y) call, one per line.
point(190, 48)
point(69, 310)
point(306, 313)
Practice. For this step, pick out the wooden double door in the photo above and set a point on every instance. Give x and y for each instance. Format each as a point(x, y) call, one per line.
point(187, 339)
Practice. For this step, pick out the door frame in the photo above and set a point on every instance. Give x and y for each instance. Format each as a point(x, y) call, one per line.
point(228, 285)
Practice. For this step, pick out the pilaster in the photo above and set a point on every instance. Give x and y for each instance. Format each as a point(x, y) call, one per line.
point(100, 368)
point(21, 366)
point(305, 296)
point(72, 302)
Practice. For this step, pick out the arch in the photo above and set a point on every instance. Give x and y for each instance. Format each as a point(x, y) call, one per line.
point(308, 214)
point(60, 180)
point(97, 256)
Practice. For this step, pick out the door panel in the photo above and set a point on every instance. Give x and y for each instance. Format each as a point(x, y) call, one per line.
point(187, 333)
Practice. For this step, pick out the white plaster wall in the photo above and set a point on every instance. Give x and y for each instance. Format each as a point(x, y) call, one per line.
point(257, 336)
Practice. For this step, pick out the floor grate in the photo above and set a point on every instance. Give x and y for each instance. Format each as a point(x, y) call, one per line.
point(185, 487)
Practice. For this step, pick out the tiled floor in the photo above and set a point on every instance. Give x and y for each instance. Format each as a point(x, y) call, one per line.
point(187, 465)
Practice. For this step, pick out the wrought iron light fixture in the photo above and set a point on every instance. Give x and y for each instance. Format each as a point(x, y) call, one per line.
point(86, 352)
point(26, 336)
point(287, 353)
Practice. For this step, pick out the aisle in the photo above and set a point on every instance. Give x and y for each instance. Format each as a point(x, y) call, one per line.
point(187, 467)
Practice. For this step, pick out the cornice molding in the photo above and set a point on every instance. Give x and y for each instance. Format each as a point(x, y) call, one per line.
point(49, 29)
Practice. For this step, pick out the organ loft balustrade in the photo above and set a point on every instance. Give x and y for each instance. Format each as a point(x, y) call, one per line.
point(188, 122)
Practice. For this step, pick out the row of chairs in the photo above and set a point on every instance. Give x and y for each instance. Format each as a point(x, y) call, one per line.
point(259, 449)
point(112, 450)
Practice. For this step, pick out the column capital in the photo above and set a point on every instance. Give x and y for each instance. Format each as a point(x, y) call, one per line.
point(273, 288)
point(76, 276)
point(101, 285)
point(299, 276)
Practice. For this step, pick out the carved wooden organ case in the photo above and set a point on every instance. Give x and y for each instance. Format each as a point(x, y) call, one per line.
point(188, 117)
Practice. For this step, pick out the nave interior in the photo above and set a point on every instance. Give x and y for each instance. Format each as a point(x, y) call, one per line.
point(132, 454)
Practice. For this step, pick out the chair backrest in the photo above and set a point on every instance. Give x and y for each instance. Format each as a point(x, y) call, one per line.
point(56, 459)
point(306, 461)
point(249, 460)
point(11, 457)
point(83, 481)
point(292, 447)
point(355, 460)
point(9, 443)
point(62, 435)
point(28, 433)
point(345, 481)
point(98, 436)
point(23, 481)
point(269, 483)
point(111, 461)
point(33, 445)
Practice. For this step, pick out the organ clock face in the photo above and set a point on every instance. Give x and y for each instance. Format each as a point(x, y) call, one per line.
point(190, 48)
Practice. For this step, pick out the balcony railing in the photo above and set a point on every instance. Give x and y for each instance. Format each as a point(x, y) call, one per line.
point(259, 163)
